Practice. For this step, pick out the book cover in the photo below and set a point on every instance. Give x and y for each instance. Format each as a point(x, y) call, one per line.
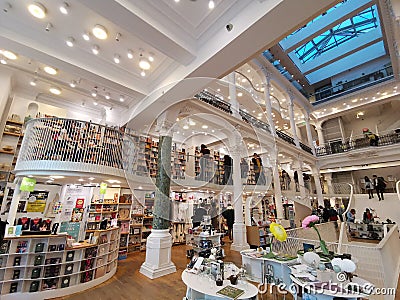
point(230, 292)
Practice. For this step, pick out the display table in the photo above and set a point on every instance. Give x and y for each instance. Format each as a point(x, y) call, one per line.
point(372, 231)
point(196, 240)
point(201, 287)
point(42, 266)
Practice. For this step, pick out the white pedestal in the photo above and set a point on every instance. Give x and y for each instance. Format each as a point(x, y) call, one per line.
point(239, 237)
point(158, 254)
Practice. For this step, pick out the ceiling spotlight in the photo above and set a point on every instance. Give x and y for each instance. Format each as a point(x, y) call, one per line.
point(83, 103)
point(6, 7)
point(117, 58)
point(143, 73)
point(130, 54)
point(151, 57)
point(3, 61)
point(48, 27)
point(95, 103)
point(37, 10)
point(204, 126)
point(94, 93)
point(144, 64)
point(50, 70)
point(121, 98)
point(240, 94)
point(117, 37)
point(176, 1)
point(64, 8)
point(33, 82)
point(70, 41)
point(185, 126)
point(107, 96)
point(9, 54)
point(86, 36)
point(72, 84)
point(55, 90)
point(211, 4)
point(95, 49)
point(192, 123)
point(100, 32)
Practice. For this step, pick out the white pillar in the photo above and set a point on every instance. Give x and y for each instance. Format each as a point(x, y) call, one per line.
point(328, 178)
point(320, 133)
point(277, 190)
point(239, 228)
point(342, 131)
point(317, 180)
point(14, 202)
point(291, 117)
point(268, 105)
point(232, 94)
point(309, 134)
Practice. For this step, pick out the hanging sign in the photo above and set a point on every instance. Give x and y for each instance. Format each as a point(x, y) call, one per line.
point(28, 184)
point(79, 202)
point(103, 188)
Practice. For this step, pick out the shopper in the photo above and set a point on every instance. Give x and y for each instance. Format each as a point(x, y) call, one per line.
point(257, 162)
point(369, 187)
point(214, 213)
point(380, 185)
point(325, 214)
point(244, 170)
point(198, 215)
point(373, 138)
point(227, 170)
point(296, 180)
point(286, 180)
point(204, 163)
point(351, 215)
point(306, 179)
point(229, 215)
point(367, 216)
point(340, 211)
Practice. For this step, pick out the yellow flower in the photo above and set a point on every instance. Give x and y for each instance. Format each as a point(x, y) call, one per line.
point(278, 231)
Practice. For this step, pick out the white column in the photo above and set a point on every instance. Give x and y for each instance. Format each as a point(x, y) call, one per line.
point(14, 202)
point(320, 133)
point(239, 228)
point(309, 134)
point(232, 94)
point(316, 174)
point(291, 117)
point(328, 178)
point(268, 105)
point(341, 128)
point(277, 190)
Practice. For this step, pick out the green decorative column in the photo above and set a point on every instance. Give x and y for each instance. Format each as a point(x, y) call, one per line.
point(162, 203)
point(159, 243)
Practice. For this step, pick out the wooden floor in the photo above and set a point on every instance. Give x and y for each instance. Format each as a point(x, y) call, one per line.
point(128, 283)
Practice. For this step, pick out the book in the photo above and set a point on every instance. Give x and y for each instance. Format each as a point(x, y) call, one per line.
point(230, 292)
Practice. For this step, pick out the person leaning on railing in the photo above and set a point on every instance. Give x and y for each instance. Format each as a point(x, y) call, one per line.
point(373, 138)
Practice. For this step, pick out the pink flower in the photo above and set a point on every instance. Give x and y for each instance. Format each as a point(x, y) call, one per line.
point(309, 221)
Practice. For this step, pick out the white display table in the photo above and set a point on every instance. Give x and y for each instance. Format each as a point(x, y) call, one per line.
point(202, 287)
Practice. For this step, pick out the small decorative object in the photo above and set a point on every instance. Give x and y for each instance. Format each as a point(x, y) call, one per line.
point(69, 269)
point(218, 280)
point(38, 260)
point(13, 287)
point(61, 247)
point(322, 267)
point(35, 273)
point(309, 222)
point(17, 261)
point(16, 274)
point(233, 279)
point(39, 247)
point(65, 282)
point(52, 248)
point(312, 259)
point(34, 286)
point(279, 233)
point(231, 292)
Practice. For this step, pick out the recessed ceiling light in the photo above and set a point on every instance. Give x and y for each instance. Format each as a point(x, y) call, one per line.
point(33, 82)
point(243, 80)
point(50, 70)
point(143, 73)
point(37, 10)
point(55, 90)
point(70, 41)
point(218, 90)
point(64, 8)
point(176, 1)
point(117, 58)
point(144, 64)
point(213, 130)
point(86, 36)
point(95, 103)
point(72, 84)
point(95, 49)
point(130, 54)
point(240, 94)
point(3, 61)
point(204, 126)
point(91, 178)
point(100, 32)
point(192, 123)
point(9, 54)
point(81, 179)
point(211, 4)
point(122, 98)
point(248, 70)
point(151, 57)
point(107, 96)
point(354, 100)
point(94, 93)
point(185, 126)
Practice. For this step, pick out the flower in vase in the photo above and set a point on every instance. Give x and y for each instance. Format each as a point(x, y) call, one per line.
point(309, 222)
point(278, 231)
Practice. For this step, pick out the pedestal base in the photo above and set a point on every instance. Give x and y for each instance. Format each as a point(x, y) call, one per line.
point(158, 254)
point(239, 238)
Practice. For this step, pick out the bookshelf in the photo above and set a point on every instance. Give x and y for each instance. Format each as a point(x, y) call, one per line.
point(9, 147)
point(178, 163)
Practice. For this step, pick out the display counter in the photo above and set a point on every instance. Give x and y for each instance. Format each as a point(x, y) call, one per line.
point(42, 266)
point(371, 231)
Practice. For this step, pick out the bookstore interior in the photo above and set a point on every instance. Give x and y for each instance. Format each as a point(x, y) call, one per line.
point(287, 157)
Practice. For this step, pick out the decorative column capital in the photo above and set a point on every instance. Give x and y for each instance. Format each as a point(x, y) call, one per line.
point(164, 128)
